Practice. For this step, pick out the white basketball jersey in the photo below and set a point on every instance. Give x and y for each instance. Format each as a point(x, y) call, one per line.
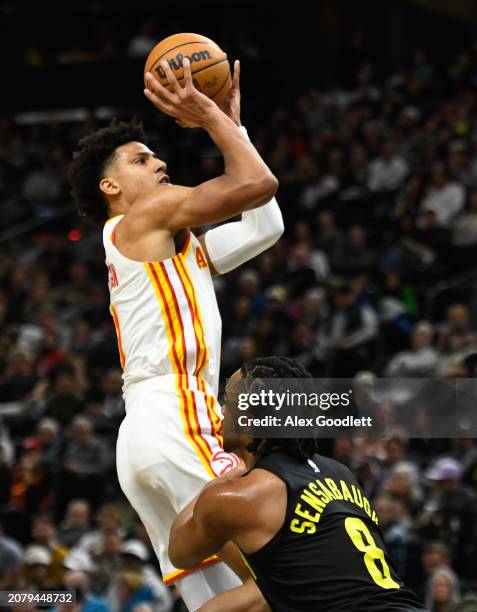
point(165, 313)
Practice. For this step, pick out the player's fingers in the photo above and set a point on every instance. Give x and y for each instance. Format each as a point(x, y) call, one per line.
point(187, 73)
point(157, 88)
point(236, 77)
point(171, 77)
point(161, 103)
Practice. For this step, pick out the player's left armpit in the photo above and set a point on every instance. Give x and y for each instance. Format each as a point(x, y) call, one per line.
point(230, 245)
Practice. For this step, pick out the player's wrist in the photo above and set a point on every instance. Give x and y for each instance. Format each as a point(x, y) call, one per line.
point(243, 129)
point(211, 117)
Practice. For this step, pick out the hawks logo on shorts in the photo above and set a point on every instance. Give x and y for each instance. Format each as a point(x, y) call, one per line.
point(222, 462)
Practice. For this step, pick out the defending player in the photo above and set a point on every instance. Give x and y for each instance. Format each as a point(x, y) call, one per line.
point(307, 531)
point(164, 306)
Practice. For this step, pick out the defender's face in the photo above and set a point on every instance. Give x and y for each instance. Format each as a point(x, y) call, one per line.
point(229, 412)
point(136, 170)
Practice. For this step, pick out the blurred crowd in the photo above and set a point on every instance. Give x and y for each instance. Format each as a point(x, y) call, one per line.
point(374, 277)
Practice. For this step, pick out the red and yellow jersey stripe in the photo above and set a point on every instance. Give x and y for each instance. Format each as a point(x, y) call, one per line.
point(167, 280)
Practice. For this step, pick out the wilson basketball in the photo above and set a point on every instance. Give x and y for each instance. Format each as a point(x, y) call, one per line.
point(209, 65)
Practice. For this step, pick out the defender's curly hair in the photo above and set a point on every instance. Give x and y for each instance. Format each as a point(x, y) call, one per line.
point(96, 151)
point(254, 372)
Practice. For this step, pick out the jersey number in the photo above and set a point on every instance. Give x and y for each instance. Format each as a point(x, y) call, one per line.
point(364, 542)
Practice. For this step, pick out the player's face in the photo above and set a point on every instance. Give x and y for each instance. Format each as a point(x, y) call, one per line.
point(229, 412)
point(137, 170)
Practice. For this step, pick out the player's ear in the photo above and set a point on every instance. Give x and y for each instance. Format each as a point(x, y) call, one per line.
point(109, 186)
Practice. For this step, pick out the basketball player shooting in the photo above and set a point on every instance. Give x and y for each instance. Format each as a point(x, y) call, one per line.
point(164, 306)
point(301, 520)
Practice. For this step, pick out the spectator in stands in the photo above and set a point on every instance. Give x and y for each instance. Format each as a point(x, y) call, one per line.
point(356, 180)
point(80, 582)
point(422, 361)
point(435, 554)
point(303, 271)
point(239, 327)
point(330, 237)
point(403, 485)
point(48, 435)
point(113, 395)
point(76, 523)
point(37, 568)
point(133, 589)
point(44, 533)
point(32, 481)
point(444, 197)
point(50, 354)
point(354, 255)
point(108, 520)
point(313, 311)
point(20, 375)
point(6, 445)
point(249, 284)
point(464, 228)
point(344, 339)
point(86, 460)
point(388, 171)
point(443, 592)
point(135, 556)
point(395, 534)
point(450, 512)
point(65, 401)
point(398, 309)
point(302, 346)
point(318, 259)
point(457, 339)
point(107, 554)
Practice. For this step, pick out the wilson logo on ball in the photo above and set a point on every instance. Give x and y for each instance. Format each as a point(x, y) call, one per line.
point(176, 62)
point(222, 462)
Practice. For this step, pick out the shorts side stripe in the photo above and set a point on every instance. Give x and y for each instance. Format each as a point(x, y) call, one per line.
point(178, 574)
point(122, 356)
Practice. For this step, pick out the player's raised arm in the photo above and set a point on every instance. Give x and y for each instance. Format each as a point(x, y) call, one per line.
point(231, 244)
point(247, 181)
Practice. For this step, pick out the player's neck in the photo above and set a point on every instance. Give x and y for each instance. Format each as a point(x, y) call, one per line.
point(249, 459)
point(118, 206)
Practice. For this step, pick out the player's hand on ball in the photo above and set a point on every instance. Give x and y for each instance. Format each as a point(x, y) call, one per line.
point(231, 104)
point(186, 104)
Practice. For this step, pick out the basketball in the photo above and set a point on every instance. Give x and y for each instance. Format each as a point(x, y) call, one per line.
point(209, 65)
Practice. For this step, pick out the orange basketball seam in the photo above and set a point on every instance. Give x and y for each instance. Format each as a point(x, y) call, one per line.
point(221, 87)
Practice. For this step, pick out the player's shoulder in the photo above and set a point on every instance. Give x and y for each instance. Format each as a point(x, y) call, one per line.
point(248, 486)
point(156, 207)
point(238, 500)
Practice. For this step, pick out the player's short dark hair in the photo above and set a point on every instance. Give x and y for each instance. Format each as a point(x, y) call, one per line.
point(96, 151)
point(254, 372)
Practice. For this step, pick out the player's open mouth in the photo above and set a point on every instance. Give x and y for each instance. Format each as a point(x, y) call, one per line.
point(164, 179)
